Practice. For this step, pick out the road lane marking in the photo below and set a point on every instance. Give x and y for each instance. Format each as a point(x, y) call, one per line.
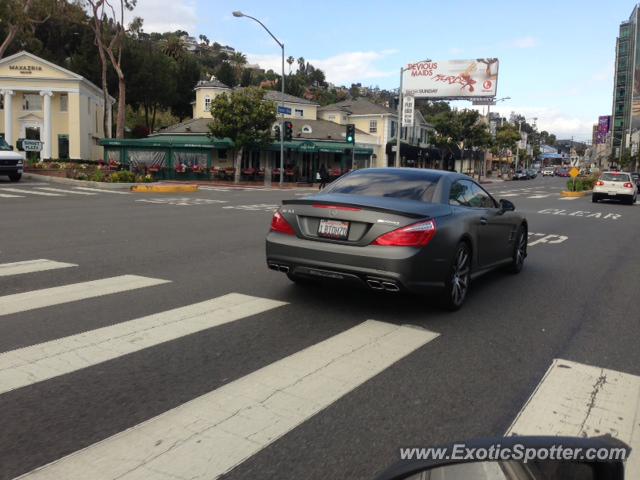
point(6, 195)
point(208, 436)
point(540, 195)
point(22, 302)
point(581, 213)
point(510, 195)
point(30, 192)
point(99, 190)
point(552, 239)
point(59, 190)
point(26, 366)
point(183, 201)
point(255, 208)
point(30, 266)
point(569, 198)
point(578, 400)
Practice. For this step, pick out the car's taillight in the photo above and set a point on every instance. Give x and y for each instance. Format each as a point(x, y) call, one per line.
point(415, 235)
point(279, 224)
point(628, 185)
point(599, 183)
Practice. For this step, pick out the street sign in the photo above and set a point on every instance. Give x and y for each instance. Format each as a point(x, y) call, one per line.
point(408, 105)
point(26, 145)
point(284, 110)
point(574, 172)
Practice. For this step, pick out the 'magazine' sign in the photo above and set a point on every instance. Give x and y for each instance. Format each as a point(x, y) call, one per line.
point(26, 69)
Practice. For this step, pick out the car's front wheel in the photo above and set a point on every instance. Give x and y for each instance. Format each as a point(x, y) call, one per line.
point(15, 177)
point(519, 251)
point(459, 277)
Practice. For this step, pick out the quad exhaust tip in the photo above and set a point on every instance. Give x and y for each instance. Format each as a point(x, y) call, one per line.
point(390, 287)
point(375, 285)
point(279, 268)
point(382, 285)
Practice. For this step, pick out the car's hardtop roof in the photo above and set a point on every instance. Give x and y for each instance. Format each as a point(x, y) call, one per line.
point(417, 172)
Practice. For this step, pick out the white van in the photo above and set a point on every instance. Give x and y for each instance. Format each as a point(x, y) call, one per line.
point(11, 163)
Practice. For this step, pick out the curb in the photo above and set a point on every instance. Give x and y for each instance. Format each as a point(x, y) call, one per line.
point(164, 188)
point(584, 193)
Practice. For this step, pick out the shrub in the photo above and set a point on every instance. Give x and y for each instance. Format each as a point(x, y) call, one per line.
point(123, 176)
point(144, 178)
point(97, 176)
point(575, 185)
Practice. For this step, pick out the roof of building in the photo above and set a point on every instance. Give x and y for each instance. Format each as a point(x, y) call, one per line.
point(360, 106)
point(276, 96)
point(213, 82)
point(320, 129)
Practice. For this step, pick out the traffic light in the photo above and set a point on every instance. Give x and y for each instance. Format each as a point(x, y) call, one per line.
point(351, 133)
point(276, 131)
point(288, 130)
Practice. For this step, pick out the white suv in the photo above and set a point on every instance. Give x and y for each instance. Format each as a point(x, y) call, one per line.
point(548, 172)
point(616, 185)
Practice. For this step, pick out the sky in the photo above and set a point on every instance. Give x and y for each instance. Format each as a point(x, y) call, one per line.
point(556, 57)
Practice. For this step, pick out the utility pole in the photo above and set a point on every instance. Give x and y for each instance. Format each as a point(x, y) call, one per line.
point(399, 128)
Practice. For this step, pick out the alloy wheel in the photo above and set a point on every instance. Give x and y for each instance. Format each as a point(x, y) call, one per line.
point(460, 276)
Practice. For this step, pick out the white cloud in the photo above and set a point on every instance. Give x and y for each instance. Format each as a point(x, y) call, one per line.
point(162, 16)
point(344, 68)
point(554, 121)
point(525, 42)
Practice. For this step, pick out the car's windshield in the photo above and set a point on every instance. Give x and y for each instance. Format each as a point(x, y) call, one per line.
point(3, 145)
point(615, 177)
point(407, 184)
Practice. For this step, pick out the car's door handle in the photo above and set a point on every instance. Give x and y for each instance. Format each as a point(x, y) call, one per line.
point(483, 221)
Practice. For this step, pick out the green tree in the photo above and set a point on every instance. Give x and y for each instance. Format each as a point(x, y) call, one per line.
point(22, 17)
point(245, 118)
point(174, 47)
point(187, 76)
point(430, 109)
point(507, 138)
point(226, 74)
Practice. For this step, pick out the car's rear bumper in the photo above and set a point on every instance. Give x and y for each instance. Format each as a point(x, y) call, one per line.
point(375, 267)
point(601, 192)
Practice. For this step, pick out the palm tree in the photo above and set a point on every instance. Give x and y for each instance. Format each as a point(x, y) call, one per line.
point(174, 47)
point(290, 61)
point(238, 60)
point(302, 66)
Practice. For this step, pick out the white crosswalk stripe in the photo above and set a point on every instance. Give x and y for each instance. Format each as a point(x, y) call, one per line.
point(29, 365)
point(99, 190)
point(579, 400)
point(31, 266)
point(208, 436)
point(7, 195)
point(22, 302)
point(30, 192)
point(59, 190)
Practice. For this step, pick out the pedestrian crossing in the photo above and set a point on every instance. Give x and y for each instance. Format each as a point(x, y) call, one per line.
point(47, 191)
point(209, 435)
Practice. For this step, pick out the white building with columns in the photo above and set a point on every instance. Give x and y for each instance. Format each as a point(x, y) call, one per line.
point(43, 101)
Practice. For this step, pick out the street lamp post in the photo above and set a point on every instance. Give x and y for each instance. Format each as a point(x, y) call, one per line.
point(399, 127)
point(281, 45)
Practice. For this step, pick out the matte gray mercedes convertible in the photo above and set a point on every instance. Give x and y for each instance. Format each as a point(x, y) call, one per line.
point(398, 229)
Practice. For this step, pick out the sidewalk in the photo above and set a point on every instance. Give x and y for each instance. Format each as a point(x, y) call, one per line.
point(245, 184)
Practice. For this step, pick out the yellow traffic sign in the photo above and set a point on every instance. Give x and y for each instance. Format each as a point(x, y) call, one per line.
point(574, 172)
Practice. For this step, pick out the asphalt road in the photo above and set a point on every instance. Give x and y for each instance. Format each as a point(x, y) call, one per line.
point(576, 299)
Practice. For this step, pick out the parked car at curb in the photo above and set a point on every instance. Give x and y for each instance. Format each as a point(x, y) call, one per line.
point(532, 173)
point(398, 230)
point(617, 186)
point(11, 163)
point(635, 176)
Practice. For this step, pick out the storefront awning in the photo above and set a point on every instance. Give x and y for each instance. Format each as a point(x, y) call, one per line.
point(307, 146)
point(169, 141)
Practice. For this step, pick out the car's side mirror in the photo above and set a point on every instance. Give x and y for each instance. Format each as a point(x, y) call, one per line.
point(506, 205)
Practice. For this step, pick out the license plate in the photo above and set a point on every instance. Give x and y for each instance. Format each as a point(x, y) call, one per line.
point(612, 194)
point(335, 229)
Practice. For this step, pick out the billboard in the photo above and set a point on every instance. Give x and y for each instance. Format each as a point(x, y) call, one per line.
point(453, 79)
point(604, 124)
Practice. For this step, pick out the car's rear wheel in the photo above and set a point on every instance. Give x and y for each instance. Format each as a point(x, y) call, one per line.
point(15, 177)
point(519, 250)
point(594, 198)
point(457, 283)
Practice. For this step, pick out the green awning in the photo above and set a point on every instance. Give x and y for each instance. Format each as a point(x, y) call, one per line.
point(170, 141)
point(308, 146)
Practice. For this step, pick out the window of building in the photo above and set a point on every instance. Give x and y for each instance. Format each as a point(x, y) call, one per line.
point(299, 113)
point(373, 126)
point(31, 102)
point(207, 103)
point(403, 133)
point(393, 129)
point(63, 146)
point(64, 102)
point(1, 102)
